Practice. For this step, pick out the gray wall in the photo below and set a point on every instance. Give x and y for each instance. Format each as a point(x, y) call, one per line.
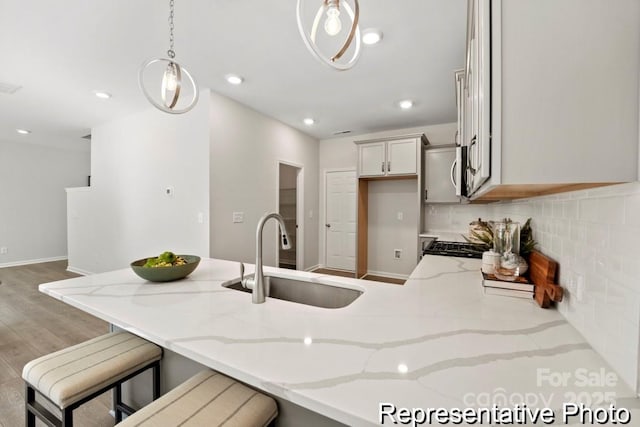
point(245, 149)
point(33, 219)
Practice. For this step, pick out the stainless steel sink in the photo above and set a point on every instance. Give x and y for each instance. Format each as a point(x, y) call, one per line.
point(304, 292)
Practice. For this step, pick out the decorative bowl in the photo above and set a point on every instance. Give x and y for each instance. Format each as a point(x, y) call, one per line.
point(165, 274)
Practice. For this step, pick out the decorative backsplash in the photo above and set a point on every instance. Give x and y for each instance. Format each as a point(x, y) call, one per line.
point(595, 237)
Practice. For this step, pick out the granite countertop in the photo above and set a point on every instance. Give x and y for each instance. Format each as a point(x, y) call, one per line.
point(435, 342)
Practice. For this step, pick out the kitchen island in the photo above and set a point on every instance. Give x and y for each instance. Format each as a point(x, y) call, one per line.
point(435, 342)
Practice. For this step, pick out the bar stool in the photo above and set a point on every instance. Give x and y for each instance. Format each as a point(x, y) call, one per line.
point(72, 376)
point(207, 399)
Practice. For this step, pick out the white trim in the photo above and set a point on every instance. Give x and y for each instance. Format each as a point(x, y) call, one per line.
point(300, 241)
point(322, 241)
point(389, 275)
point(32, 261)
point(79, 271)
point(314, 267)
point(77, 189)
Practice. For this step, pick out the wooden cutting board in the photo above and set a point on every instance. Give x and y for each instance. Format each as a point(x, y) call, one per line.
point(542, 271)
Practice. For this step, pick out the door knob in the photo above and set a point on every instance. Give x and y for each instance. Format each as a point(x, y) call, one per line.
point(328, 225)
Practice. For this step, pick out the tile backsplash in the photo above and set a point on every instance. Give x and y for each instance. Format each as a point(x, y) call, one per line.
point(594, 235)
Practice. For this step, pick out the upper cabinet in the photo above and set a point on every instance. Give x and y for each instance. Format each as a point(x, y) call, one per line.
point(549, 96)
point(398, 156)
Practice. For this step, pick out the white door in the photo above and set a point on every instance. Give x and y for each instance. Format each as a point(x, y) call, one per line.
point(372, 159)
point(402, 157)
point(340, 224)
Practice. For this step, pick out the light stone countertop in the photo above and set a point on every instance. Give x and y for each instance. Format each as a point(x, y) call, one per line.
point(435, 342)
point(449, 236)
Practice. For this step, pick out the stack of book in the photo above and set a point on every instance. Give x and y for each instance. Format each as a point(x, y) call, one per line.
point(521, 287)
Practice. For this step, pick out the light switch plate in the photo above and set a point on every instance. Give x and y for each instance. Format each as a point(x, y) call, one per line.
point(238, 217)
point(400, 216)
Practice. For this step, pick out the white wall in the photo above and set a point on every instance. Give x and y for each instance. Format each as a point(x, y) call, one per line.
point(128, 214)
point(341, 153)
point(245, 148)
point(593, 235)
point(33, 219)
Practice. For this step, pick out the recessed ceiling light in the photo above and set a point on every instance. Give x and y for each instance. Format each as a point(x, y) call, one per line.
point(23, 131)
point(102, 94)
point(309, 121)
point(402, 368)
point(234, 79)
point(406, 104)
point(371, 36)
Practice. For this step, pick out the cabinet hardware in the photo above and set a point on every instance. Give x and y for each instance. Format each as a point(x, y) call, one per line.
point(453, 173)
point(470, 152)
point(389, 166)
point(326, 225)
point(426, 194)
point(382, 168)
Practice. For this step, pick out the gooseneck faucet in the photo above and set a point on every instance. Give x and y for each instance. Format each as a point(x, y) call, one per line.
point(257, 284)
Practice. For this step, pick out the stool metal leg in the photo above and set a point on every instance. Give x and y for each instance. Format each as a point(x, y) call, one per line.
point(30, 417)
point(156, 380)
point(117, 402)
point(67, 417)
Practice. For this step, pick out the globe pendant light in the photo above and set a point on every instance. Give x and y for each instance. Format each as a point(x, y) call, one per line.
point(171, 97)
point(333, 11)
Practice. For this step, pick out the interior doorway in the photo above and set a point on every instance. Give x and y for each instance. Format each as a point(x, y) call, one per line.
point(340, 220)
point(290, 207)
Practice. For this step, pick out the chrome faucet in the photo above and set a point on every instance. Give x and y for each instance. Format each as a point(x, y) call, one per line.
point(257, 284)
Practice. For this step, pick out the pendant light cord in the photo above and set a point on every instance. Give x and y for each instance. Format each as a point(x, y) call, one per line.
point(171, 52)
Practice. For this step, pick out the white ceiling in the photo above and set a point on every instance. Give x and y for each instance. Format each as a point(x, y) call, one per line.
point(60, 52)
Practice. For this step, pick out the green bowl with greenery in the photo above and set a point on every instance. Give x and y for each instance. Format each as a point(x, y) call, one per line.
point(168, 273)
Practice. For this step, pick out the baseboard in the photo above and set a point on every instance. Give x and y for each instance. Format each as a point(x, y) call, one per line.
point(79, 271)
point(315, 267)
point(32, 261)
point(389, 275)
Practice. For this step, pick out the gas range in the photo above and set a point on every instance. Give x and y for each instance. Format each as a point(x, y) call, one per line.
point(455, 249)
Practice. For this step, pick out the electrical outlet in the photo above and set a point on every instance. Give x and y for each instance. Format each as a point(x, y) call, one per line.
point(200, 218)
point(238, 217)
point(4, 250)
point(397, 253)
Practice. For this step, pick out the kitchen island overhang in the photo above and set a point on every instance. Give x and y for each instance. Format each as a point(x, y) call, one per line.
point(436, 342)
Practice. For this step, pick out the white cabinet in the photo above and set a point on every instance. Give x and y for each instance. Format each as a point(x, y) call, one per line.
point(402, 158)
point(476, 99)
point(545, 114)
point(390, 169)
point(372, 159)
point(439, 179)
point(389, 157)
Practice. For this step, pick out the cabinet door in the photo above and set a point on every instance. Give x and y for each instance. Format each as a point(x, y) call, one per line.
point(477, 79)
point(402, 158)
point(438, 175)
point(372, 160)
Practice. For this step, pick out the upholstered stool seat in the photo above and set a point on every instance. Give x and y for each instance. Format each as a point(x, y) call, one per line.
point(74, 375)
point(207, 399)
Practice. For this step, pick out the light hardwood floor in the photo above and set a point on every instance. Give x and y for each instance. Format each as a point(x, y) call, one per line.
point(33, 324)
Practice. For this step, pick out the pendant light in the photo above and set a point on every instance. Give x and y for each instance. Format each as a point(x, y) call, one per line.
point(331, 38)
point(172, 90)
